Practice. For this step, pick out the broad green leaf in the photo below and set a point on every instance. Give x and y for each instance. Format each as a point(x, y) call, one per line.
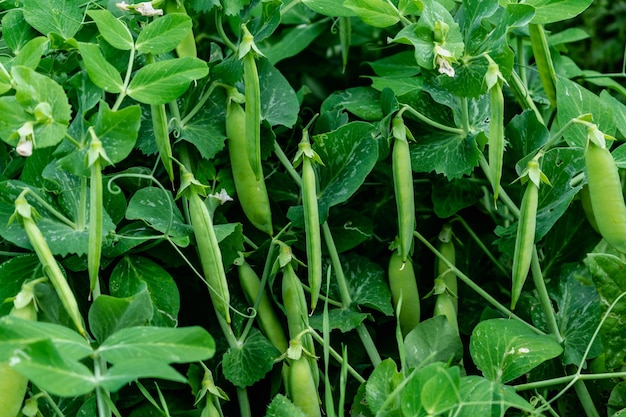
point(399, 65)
point(445, 153)
point(573, 101)
point(133, 272)
point(90, 92)
point(471, 17)
point(58, 375)
point(30, 54)
point(433, 340)
point(112, 30)
point(233, 7)
point(506, 349)
point(382, 382)
point(100, 71)
point(157, 208)
point(342, 319)
point(377, 13)
point(619, 109)
point(63, 17)
point(294, 41)
point(230, 237)
point(349, 154)
point(117, 130)
point(578, 315)
point(178, 345)
point(366, 283)
point(481, 397)
point(16, 32)
point(617, 400)
point(399, 86)
point(363, 102)
point(33, 89)
point(525, 134)
point(14, 272)
point(250, 361)
point(282, 407)
point(163, 34)
point(164, 81)
point(431, 390)
point(133, 369)
point(550, 11)
point(13, 117)
point(203, 6)
point(109, 314)
point(5, 80)
point(329, 8)
point(279, 103)
point(609, 276)
point(451, 196)
point(16, 333)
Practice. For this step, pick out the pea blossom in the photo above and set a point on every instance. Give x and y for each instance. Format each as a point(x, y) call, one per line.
point(25, 145)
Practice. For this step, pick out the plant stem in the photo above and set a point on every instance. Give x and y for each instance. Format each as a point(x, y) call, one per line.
point(129, 71)
point(287, 164)
point(544, 298)
point(499, 306)
point(481, 245)
point(434, 124)
point(518, 86)
point(338, 357)
point(503, 196)
point(369, 345)
point(344, 292)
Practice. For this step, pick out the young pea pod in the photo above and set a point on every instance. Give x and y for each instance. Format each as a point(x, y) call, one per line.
point(12, 384)
point(25, 214)
point(543, 60)
point(605, 191)
point(266, 316)
point(447, 302)
point(302, 388)
point(247, 51)
point(186, 47)
point(403, 186)
point(494, 82)
point(251, 191)
point(525, 238)
point(311, 216)
point(403, 284)
point(207, 245)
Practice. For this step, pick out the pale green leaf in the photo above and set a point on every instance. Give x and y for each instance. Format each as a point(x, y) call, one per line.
point(112, 30)
point(100, 71)
point(163, 34)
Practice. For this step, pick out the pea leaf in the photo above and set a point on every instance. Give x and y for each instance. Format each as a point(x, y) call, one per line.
point(349, 154)
point(163, 34)
point(109, 314)
point(446, 153)
point(164, 81)
point(112, 30)
point(16, 32)
point(282, 407)
point(380, 385)
point(100, 71)
point(342, 319)
point(279, 103)
point(506, 349)
point(133, 273)
point(169, 345)
point(609, 277)
point(117, 130)
point(451, 196)
point(366, 283)
point(133, 369)
point(14, 272)
point(294, 41)
point(550, 11)
point(250, 361)
point(31, 53)
point(363, 102)
point(433, 340)
point(54, 16)
point(482, 397)
point(329, 7)
point(377, 13)
point(430, 390)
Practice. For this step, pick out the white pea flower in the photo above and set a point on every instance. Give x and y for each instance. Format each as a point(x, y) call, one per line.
point(222, 196)
point(443, 59)
point(25, 145)
point(122, 6)
point(146, 9)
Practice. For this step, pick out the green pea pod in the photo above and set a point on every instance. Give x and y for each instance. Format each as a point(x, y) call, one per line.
point(605, 193)
point(496, 136)
point(186, 47)
point(585, 200)
point(311, 218)
point(266, 316)
point(543, 60)
point(25, 214)
point(252, 193)
point(403, 284)
point(253, 101)
point(161, 132)
point(209, 253)
point(525, 240)
point(12, 384)
point(403, 187)
point(446, 302)
point(302, 387)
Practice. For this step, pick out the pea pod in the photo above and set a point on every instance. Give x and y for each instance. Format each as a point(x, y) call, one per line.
point(605, 193)
point(403, 284)
point(25, 215)
point(302, 387)
point(494, 82)
point(543, 60)
point(403, 186)
point(186, 47)
point(252, 193)
point(269, 322)
point(253, 100)
point(12, 384)
point(525, 238)
point(208, 248)
point(446, 302)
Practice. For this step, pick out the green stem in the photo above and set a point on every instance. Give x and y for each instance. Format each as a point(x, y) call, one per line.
point(287, 164)
point(338, 357)
point(544, 298)
point(199, 106)
point(81, 220)
point(482, 246)
point(484, 294)
point(129, 71)
point(518, 86)
point(585, 399)
point(434, 124)
point(465, 115)
point(503, 196)
point(220, 31)
point(369, 345)
point(344, 292)
point(52, 210)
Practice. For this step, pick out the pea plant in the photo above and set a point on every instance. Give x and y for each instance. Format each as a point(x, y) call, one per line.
point(309, 207)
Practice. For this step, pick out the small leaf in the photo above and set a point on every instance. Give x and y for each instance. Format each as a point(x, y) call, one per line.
point(433, 340)
point(507, 349)
point(133, 369)
point(342, 319)
point(163, 34)
point(250, 361)
point(446, 153)
point(62, 17)
point(14, 272)
point(279, 103)
point(30, 54)
point(557, 10)
point(100, 71)
point(481, 397)
point(157, 208)
point(282, 407)
point(329, 8)
point(382, 382)
point(164, 81)
point(366, 283)
point(16, 32)
point(117, 130)
point(377, 13)
point(112, 30)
